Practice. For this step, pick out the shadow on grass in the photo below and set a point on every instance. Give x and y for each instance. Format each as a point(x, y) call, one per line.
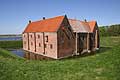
point(101, 50)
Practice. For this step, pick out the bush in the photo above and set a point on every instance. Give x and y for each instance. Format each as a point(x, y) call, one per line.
point(113, 30)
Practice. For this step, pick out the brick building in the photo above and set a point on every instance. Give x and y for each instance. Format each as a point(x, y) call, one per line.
point(52, 37)
point(60, 37)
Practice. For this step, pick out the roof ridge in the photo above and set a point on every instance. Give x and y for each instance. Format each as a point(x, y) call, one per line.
point(47, 25)
point(81, 25)
point(74, 19)
point(47, 19)
point(92, 21)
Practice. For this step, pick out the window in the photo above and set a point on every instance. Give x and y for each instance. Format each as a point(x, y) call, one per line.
point(46, 38)
point(38, 36)
point(31, 36)
point(45, 45)
point(51, 46)
point(39, 45)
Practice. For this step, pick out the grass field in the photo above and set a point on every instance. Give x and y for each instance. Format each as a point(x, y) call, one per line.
point(104, 65)
point(11, 44)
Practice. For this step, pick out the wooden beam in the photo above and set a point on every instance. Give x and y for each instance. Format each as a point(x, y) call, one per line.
point(96, 39)
point(76, 42)
point(88, 41)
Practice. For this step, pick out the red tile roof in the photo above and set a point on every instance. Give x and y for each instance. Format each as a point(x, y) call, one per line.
point(47, 25)
point(92, 24)
point(82, 26)
point(53, 24)
point(85, 25)
point(79, 26)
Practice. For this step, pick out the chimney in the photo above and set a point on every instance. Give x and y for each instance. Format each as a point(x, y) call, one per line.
point(30, 21)
point(43, 18)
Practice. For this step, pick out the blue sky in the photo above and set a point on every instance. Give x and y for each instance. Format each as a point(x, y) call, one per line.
point(15, 14)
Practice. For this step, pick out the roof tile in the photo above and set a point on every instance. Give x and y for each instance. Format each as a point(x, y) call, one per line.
point(79, 26)
point(82, 26)
point(92, 25)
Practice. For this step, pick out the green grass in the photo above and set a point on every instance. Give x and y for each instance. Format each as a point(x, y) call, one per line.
point(7, 54)
point(104, 65)
point(11, 44)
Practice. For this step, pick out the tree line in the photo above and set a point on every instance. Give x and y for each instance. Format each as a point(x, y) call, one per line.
point(112, 30)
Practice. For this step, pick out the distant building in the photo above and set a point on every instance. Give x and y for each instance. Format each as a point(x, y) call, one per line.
point(60, 37)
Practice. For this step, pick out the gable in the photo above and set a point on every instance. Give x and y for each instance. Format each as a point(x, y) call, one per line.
point(47, 25)
point(93, 25)
point(66, 28)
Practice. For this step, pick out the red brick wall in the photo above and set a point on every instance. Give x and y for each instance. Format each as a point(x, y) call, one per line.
point(66, 46)
point(32, 42)
point(37, 42)
point(51, 44)
point(25, 41)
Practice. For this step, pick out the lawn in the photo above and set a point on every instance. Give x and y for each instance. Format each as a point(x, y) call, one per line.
point(103, 65)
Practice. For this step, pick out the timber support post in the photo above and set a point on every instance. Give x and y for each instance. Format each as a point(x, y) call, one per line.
point(96, 40)
point(77, 44)
point(88, 42)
